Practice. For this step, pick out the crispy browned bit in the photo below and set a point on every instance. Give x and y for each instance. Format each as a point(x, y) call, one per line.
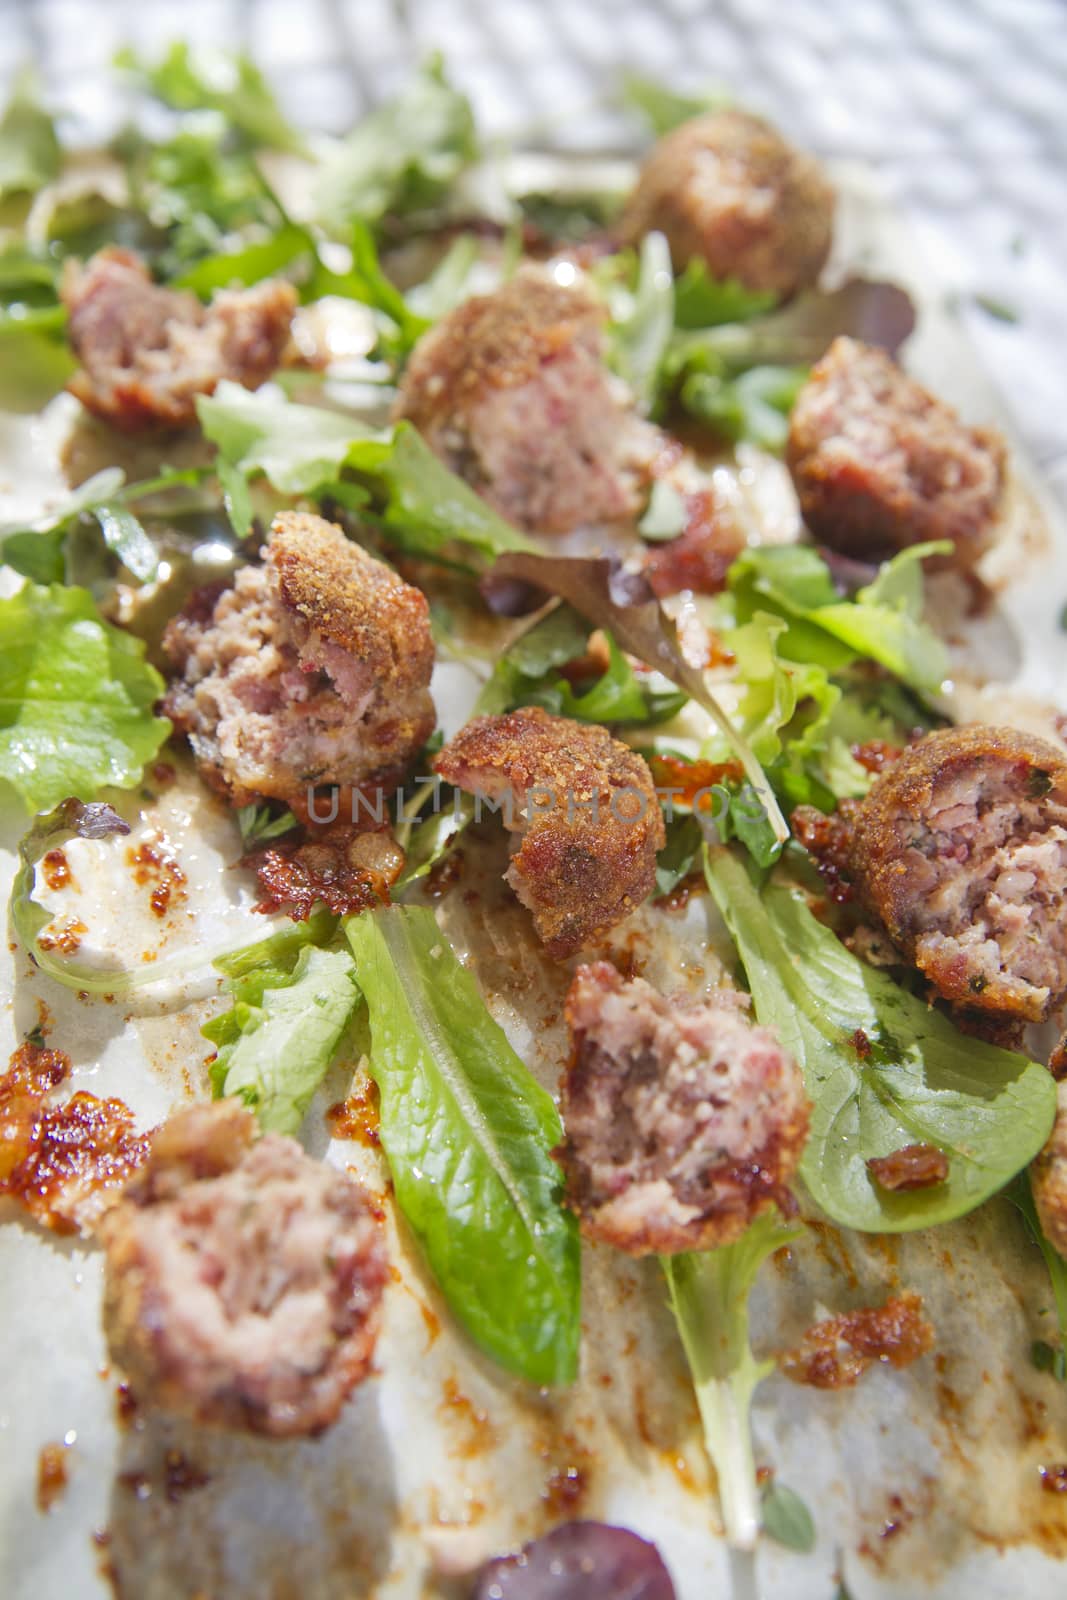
point(835, 1353)
point(588, 853)
point(960, 851)
point(358, 1116)
point(827, 839)
point(341, 868)
point(181, 1476)
point(703, 552)
point(55, 869)
point(1054, 1479)
point(156, 867)
point(876, 754)
point(1048, 1176)
point(727, 189)
point(309, 671)
point(914, 1166)
point(511, 390)
point(1057, 1061)
point(52, 1469)
point(879, 463)
point(146, 352)
point(683, 1121)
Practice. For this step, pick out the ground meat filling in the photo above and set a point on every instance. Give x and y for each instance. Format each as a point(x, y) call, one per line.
point(1048, 1176)
point(836, 1352)
point(726, 189)
point(311, 670)
point(146, 352)
point(586, 808)
point(243, 1279)
point(961, 850)
point(683, 1121)
point(511, 390)
point(879, 463)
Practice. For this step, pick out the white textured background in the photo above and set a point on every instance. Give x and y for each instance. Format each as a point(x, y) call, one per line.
point(960, 104)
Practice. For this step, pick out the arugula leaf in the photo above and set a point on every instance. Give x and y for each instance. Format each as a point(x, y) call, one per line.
point(882, 1069)
point(232, 85)
point(709, 1297)
point(468, 1135)
point(415, 501)
point(640, 336)
point(663, 108)
point(29, 148)
point(1021, 1196)
point(701, 301)
point(251, 264)
point(76, 698)
point(403, 157)
point(883, 622)
point(277, 1042)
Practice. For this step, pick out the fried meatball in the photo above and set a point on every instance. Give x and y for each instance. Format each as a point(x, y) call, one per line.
point(586, 806)
point(879, 463)
point(311, 669)
point(1048, 1176)
point(727, 189)
point(243, 1280)
point(512, 392)
point(960, 849)
point(146, 352)
point(683, 1121)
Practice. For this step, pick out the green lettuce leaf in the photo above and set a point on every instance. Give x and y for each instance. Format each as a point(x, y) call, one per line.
point(640, 335)
point(754, 406)
point(29, 148)
point(882, 1068)
point(701, 301)
point(403, 157)
point(276, 1043)
point(664, 109)
point(76, 698)
point(709, 1297)
point(213, 80)
point(467, 1133)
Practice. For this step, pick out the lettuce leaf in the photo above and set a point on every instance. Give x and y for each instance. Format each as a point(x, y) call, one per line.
point(230, 84)
point(663, 108)
point(403, 157)
point(76, 698)
point(277, 1041)
point(468, 1135)
point(639, 337)
point(882, 1068)
point(701, 301)
point(29, 149)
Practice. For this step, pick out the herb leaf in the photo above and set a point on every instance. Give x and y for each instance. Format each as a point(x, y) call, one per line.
point(786, 1519)
point(468, 1133)
point(882, 1069)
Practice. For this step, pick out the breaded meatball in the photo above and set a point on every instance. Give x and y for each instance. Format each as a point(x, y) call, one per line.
point(683, 1121)
point(586, 806)
point(1048, 1176)
point(243, 1280)
point(727, 189)
point(146, 352)
point(512, 392)
point(879, 463)
point(960, 849)
point(311, 669)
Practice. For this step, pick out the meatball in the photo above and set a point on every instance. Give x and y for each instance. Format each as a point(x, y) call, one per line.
point(960, 849)
point(727, 189)
point(146, 352)
point(512, 392)
point(311, 669)
point(588, 811)
point(683, 1120)
point(1048, 1176)
point(243, 1280)
point(879, 463)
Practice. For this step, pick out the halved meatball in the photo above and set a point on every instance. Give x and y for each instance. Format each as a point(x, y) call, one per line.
point(310, 670)
point(961, 850)
point(727, 189)
point(586, 806)
point(1048, 1176)
point(146, 352)
point(879, 463)
point(243, 1280)
point(512, 392)
point(683, 1120)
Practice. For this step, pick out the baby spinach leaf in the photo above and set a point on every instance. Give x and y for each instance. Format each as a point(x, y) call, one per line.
point(29, 148)
point(882, 1068)
point(468, 1133)
point(277, 1041)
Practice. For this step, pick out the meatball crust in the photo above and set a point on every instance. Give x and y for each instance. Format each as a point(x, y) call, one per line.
point(683, 1120)
point(243, 1280)
point(512, 392)
point(727, 189)
point(879, 463)
point(312, 669)
point(588, 811)
point(960, 848)
point(146, 352)
point(1048, 1176)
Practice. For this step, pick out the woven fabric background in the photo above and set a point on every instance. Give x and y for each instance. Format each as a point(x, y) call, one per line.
point(960, 104)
